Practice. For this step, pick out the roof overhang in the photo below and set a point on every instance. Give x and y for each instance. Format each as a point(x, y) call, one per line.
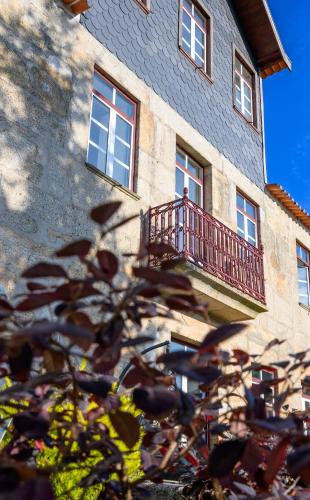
point(76, 6)
point(291, 205)
point(261, 32)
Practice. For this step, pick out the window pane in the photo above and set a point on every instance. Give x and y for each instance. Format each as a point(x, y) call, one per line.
point(256, 374)
point(194, 169)
point(247, 91)
point(250, 209)
point(302, 253)
point(303, 288)
point(238, 65)
point(103, 87)
point(200, 53)
point(96, 158)
point(267, 375)
point(122, 152)
point(199, 34)
point(194, 192)
point(187, 20)
point(100, 112)
point(120, 174)
point(240, 221)
point(247, 75)
point(179, 186)
point(181, 159)
point(240, 201)
point(124, 105)
point(99, 136)
point(186, 37)
point(188, 5)
point(302, 272)
point(123, 130)
point(251, 230)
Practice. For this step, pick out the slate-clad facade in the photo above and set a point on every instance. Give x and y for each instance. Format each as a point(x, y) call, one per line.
point(148, 45)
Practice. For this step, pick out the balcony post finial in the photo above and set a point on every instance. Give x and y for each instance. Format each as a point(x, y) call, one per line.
point(185, 192)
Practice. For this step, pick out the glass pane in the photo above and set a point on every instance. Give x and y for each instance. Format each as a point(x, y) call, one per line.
point(303, 288)
point(123, 130)
point(250, 209)
point(251, 230)
point(122, 152)
point(96, 158)
point(302, 272)
point(194, 169)
point(238, 65)
point(247, 91)
point(188, 5)
point(302, 253)
point(187, 20)
point(199, 52)
point(100, 112)
point(99, 136)
point(186, 37)
point(199, 34)
point(240, 201)
point(240, 221)
point(103, 87)
point(194, 192)
point(247, 75)
point(120, 174)
point(256, 374)
point(267, 375)
point(124, 105)
point(179, 184)
point(181, 159)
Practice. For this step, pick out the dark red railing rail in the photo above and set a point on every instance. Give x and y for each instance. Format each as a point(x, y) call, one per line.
point(203, 240)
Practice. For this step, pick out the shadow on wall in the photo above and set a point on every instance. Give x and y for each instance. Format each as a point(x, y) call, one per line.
point(45, 189)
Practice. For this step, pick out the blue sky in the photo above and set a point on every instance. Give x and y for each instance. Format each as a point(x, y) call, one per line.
point(287, 104)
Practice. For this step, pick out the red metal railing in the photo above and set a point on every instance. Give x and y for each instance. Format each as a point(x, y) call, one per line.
point(203, 240)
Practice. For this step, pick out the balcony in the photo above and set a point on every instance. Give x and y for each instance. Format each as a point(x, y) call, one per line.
point(215, 254)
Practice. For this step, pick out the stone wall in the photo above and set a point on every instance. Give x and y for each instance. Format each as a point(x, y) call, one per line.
point(46, 68)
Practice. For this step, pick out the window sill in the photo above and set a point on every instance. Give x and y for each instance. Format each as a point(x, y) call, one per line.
point(306, 308)
point(143, 7)
point(199, 70)
point(111, 181)
point(244, 118)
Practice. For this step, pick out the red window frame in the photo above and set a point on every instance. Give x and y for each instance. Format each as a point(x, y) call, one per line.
point(238, 56)
point(189, 173)
point(131, 120)
point(257, 381)
point(255, 219)
point(207, 28)
point(306, 264)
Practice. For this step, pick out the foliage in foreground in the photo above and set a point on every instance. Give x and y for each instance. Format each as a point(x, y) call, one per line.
point(70, 433)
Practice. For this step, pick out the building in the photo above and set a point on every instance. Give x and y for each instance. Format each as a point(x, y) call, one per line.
point(136, 100)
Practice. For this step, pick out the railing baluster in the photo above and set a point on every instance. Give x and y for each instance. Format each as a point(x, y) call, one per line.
point(210, 244)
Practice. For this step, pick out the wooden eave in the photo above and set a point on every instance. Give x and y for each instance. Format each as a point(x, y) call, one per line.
point(291, 205)
point(261, 32)
point(76, 6)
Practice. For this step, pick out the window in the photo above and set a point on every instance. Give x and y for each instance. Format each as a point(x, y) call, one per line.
point(265, 375)
point(303, 265)
point(247, 219)
point(189, 174)
point(244, 90)
point(112, 131)
point(195, 35)
point(182, 382)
